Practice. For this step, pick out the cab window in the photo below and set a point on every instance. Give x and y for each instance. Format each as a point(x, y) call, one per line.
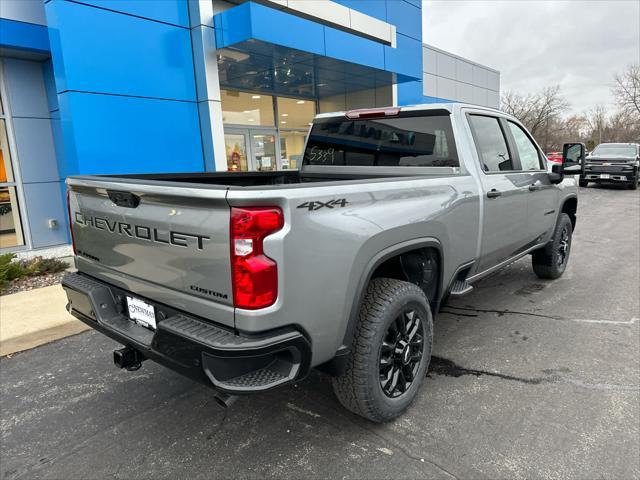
point(491, 144)
point(527, 151)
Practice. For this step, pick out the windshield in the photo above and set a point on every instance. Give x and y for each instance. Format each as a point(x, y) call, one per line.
point(411, 141)
point(614, 151)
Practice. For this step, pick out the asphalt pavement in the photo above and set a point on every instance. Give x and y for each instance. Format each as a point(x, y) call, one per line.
point(530, 379)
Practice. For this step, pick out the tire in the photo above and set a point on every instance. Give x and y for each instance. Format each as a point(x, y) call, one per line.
point(583, 183)
point(551, 261)
point(381, 347)
point(634, 184)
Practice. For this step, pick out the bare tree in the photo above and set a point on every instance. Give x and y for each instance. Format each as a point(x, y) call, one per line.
point(537, 111)
point(597, 121)
point(626, 89)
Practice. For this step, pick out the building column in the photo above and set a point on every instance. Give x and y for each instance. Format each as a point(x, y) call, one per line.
point(207, 84)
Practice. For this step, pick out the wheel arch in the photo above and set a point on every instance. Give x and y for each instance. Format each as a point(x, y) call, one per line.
point(385, 259)
point(570, 207)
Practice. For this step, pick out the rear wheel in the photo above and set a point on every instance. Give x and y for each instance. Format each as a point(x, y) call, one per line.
point(390, 352)
point(551, 261)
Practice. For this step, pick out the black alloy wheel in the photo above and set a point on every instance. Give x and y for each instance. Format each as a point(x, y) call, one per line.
point(401, 353)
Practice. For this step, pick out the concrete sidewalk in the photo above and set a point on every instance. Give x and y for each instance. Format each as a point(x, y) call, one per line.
point(35, 317)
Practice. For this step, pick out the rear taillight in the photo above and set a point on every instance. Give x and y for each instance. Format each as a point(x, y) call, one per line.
point(73, 240)
point(254, 275)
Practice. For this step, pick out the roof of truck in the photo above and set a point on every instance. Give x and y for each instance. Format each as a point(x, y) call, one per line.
point(450, 106)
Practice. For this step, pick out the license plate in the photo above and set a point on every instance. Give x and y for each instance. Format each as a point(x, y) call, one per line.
point(605, 175)
point(141, 312)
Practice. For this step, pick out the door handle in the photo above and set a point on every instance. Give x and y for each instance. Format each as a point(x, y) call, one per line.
point(493, 193)
point(533, 188)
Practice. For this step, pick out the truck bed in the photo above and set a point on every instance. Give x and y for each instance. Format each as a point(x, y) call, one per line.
point(256, 179)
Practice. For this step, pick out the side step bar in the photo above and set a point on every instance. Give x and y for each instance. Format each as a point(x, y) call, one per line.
point(460, 288)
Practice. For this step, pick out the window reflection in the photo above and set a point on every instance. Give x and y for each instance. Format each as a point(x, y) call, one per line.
point(10, 225)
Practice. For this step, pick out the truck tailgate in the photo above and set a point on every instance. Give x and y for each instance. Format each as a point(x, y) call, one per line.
point(169, 244)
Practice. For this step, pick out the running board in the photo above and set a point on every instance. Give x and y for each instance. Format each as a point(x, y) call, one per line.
point(460, 288)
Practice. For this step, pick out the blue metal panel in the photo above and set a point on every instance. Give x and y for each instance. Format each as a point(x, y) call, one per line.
point(168, 11)
point(115, 134)
point(351, 48)
point(251, 20)
point(410, 93)
point(25, 88)
point(50, 85)
point(34, 142)
point(416, 3)
point(43, 202)
point(20, 35)
point(406, 17)
point(406, 59)
point(58, 141)
point(96, 50)
point(64, 222)
point(374, 8)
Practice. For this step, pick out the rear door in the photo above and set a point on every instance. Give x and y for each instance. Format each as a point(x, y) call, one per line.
point(164, 241)
point(505, 187)
point(542, 200)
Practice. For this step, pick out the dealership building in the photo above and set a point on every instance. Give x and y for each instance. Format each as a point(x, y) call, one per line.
point(141, 86)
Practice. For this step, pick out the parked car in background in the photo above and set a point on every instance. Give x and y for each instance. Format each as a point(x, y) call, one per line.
point(613, 162)
point(554, 158)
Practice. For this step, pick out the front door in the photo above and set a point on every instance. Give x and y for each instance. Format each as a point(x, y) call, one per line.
point(505, 188)
point(543, 196)
point(251, 150)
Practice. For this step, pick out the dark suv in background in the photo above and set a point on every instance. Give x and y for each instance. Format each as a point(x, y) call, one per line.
point(613, 162)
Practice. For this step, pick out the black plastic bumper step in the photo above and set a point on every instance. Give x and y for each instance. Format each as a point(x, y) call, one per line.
point(460, 287)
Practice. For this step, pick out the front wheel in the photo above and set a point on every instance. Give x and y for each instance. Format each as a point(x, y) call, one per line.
point(390, 351)
point(583, 183)
point(634, 183)
point(551, 260)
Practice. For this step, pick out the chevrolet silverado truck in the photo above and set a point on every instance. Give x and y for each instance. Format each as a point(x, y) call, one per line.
point(246, 281)
point(613, 163)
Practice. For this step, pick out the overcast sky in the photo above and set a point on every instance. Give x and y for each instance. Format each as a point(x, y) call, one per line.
point(576, 44)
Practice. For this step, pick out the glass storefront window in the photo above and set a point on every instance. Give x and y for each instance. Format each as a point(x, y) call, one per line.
point(10, 225)
point(295, 113)
point(240, 108)
point(6, 172)
point(292, 148)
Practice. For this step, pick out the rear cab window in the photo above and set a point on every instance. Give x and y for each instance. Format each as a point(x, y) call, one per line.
point(412, 139)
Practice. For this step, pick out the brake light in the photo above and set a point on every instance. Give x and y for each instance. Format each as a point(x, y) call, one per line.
point(73, 240)
point(373, 113)
point(254, 275)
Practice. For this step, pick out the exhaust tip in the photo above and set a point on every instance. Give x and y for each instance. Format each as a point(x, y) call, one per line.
point(224, 400)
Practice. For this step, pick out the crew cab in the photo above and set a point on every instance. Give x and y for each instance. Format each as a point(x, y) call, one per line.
point(246, 281)
point(613, 163)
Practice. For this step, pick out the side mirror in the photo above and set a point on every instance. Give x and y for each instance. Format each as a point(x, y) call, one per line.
point(573, 155)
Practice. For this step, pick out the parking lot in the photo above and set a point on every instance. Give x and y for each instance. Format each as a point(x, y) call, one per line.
point(530, 379)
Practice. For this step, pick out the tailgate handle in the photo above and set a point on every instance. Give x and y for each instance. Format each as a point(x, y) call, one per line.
point(124, 199)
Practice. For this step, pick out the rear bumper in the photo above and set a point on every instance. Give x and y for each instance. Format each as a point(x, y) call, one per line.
point(198, 349)
point(615, 173)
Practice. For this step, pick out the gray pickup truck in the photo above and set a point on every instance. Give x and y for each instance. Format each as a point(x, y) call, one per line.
point(246, 281)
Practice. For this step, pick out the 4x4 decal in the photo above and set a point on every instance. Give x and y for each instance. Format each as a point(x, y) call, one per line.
point(317, 205)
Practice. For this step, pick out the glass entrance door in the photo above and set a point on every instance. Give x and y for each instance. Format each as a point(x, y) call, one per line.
point(236, 148)
point(254, 150)
point(263, 146)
